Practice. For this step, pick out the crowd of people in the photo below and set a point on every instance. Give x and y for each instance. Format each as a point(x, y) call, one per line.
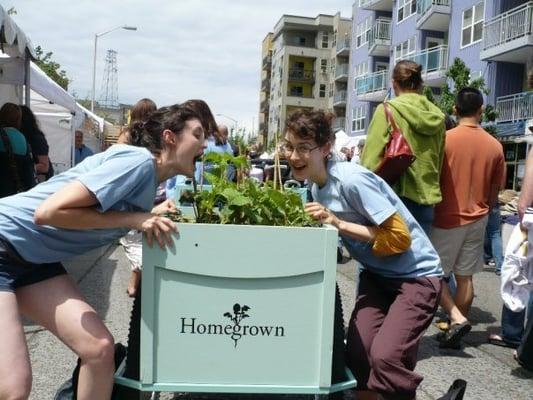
point(418, 241)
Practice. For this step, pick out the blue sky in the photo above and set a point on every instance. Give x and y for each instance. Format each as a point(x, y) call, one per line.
point(208, 49)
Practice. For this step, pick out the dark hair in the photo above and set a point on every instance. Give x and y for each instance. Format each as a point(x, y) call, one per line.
point(315, 125)
point(408, 75)
point(206, 118)
point(148, 134)
point(29, 126)
point(468, 102)
point(142, 110)
point(10, 116)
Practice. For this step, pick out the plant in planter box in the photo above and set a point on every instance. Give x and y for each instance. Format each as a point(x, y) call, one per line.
point(245, 202)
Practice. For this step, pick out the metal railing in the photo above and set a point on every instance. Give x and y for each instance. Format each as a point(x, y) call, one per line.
point(422, 6)
point(515, 107)
point(511, 25)
point(300, 95)
point(341, 69)
point(340, 96)
point(365, 3)
point(304, 75)
point(343, 44)
point(339, 123)
point(431, 60)
point(374, 82)
point(381, 31)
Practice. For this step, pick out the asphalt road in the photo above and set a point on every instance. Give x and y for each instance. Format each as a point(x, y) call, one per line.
point(490, 371)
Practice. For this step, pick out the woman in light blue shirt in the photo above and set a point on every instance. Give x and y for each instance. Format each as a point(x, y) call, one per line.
point(90, 205)
point(399, 283)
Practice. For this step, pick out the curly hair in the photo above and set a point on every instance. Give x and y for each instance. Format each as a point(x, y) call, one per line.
point(315, 125)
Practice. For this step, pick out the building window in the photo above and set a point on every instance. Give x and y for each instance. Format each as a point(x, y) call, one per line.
point(334, 39)
point(325, 40)
point(324, 66)
point(358, 118)
point(472, 28)
point(297, 91)
point(406, 8)
point(331, 87)
point(322, 91)
point(363, 32)
point(405, 49)
point(361, 69)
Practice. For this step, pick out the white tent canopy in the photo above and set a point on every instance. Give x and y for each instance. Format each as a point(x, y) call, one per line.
point(15, 40)
point(342, 139)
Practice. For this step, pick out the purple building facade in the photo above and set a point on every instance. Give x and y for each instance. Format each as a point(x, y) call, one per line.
point(493, 37)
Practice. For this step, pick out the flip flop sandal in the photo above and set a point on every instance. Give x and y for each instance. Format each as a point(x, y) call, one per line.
point(498, 340)
point(452, 339)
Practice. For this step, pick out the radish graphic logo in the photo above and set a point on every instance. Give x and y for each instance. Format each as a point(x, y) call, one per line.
point(239, 313)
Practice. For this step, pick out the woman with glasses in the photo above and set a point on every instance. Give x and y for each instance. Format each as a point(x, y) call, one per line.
point(400, 278)
point(86, 207)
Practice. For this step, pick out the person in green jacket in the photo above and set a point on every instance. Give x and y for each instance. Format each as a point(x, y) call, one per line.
point(422, 124)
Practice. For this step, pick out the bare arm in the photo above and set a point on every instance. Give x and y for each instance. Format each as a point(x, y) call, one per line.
point(526, 194)
point(43, 165)
point(73, 207)
point(390, 238)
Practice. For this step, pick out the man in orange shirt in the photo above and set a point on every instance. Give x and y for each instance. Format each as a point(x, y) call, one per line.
point(473, 172)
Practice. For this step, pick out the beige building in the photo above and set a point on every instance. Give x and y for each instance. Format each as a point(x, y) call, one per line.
point(308, 68)
point(264, 96)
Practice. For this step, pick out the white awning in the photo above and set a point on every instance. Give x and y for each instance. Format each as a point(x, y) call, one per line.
point(15, 40)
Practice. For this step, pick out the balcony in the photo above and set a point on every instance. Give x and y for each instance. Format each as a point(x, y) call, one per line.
point(378, 5)
point(339, 99)
point(301, 75)
point(265, 84)
point(516, 107)
point(267, 61)
point(339, 123)
point(508, 37)
point(372, 87)
point(434, 64)
point(379, 41)
point(264, 104)
point(343, 48)
point(433, 15)
point(341, 72)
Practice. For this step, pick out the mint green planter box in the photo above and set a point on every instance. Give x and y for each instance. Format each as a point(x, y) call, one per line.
point(279, 339)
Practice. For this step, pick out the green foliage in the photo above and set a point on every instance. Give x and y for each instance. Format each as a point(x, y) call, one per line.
point(460, 76)
point(246, 202)
point(51, 68)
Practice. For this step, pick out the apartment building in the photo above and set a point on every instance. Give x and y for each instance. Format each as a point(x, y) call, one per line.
point(493, 37)
point(309, 69)
point(264, 93)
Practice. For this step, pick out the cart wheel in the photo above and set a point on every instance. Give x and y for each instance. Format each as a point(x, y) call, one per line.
point(338, 373)
point(132, 369)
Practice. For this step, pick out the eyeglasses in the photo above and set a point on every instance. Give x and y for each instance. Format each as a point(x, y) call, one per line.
point(303, 150)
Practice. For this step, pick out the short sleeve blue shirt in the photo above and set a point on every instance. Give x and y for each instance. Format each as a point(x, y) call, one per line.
point(357, 195)
point(123, 178)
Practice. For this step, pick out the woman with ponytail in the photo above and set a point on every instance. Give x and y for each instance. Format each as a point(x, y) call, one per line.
point(422, 125)
point(88, 206)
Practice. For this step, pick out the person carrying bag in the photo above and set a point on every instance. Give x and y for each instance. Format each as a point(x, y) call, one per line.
point(405, 144)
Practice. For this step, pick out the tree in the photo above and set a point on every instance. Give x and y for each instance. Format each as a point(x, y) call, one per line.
point(51, 68)
point(459, 75)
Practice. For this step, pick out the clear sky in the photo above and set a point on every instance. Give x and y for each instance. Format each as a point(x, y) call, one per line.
point(207, 49)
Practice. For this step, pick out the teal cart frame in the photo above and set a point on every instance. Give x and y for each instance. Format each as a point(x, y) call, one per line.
point(239, 309)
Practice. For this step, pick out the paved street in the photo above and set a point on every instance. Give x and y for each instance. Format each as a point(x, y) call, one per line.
point(490, 371)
